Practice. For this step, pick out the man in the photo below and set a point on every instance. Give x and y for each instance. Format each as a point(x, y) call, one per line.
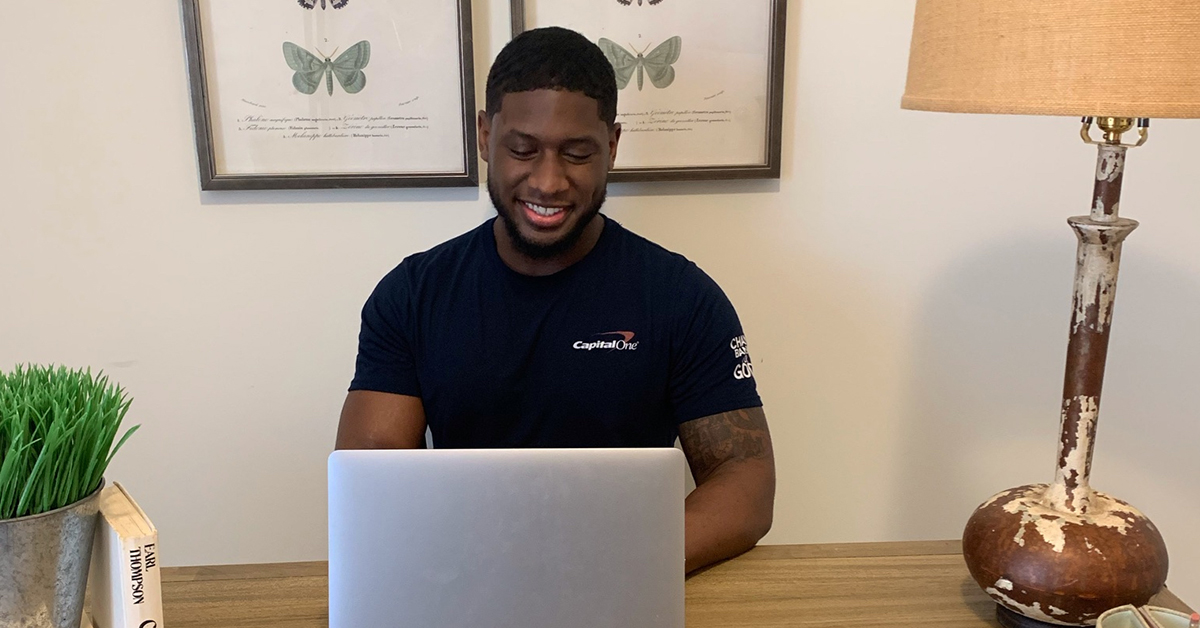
point(553, 326)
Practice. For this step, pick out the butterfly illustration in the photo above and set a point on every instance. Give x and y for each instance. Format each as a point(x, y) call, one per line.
point(657, 63)
point(624, 2)
point(310, 69)
point(337, 4)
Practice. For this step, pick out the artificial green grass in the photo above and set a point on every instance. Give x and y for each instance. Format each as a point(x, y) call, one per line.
point(56, 436)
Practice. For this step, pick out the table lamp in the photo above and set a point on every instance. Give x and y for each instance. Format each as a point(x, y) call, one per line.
point(1062, 553)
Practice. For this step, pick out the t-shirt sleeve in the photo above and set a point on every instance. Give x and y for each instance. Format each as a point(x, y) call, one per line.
point(385, 360)
point(710, 366)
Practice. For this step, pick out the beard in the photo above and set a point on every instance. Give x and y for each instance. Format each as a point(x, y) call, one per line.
point(540, 251)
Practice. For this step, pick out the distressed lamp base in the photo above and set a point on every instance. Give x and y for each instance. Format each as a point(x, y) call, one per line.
point(1060, 567)
point(1063, 553)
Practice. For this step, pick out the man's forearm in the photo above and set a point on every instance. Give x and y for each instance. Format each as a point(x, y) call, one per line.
point(379, 420)
point(729, 512)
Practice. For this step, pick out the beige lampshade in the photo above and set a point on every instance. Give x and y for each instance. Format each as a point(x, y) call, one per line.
point(1120, 58)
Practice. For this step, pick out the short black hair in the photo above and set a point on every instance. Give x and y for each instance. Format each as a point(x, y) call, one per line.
point(553, 58)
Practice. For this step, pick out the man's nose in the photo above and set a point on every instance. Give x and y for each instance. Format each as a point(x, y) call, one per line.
point(549, 176)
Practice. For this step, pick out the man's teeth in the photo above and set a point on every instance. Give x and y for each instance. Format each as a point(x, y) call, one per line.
point(543, 211)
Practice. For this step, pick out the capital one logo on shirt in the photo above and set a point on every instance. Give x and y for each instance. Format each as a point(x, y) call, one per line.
point(623, 342)
point(741, 350)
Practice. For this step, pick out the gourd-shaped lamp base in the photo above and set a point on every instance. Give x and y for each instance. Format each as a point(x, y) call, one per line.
point(1063, 553)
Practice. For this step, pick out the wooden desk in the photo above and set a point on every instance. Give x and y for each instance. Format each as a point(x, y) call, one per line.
point(922, 583)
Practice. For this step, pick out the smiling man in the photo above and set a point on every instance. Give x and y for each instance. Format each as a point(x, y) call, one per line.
point(554, 326)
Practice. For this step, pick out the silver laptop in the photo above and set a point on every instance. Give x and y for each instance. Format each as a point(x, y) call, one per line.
point(506, 538)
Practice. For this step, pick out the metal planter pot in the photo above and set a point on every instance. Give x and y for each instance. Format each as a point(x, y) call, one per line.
point(44, 565)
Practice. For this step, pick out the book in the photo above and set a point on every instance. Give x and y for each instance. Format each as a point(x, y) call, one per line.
point(126, 588)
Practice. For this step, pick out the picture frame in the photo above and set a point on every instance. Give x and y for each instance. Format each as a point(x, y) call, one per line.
point(316, 94)
point(700, 82)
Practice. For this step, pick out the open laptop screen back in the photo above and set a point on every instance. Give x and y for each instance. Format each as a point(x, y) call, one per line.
point(531, 538)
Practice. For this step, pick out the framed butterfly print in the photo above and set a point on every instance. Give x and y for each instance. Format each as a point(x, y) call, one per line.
point(332, 93)
point(700, 82)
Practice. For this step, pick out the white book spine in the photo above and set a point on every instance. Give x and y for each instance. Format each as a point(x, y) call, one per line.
point(141, 589)
point(125, 583)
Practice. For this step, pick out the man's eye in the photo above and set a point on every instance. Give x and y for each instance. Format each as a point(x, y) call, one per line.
point(521, 152)
point(579, 156)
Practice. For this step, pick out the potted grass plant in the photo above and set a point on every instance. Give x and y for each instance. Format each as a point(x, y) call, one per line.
point(57, 433)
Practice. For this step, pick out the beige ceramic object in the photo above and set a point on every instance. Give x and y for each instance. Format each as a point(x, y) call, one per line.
point(1151, 617)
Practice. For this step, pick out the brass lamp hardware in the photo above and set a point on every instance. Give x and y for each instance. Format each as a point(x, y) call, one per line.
point(1113, 129)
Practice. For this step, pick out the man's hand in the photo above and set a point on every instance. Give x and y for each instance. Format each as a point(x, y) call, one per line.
point(734, 466)
point(378, 420)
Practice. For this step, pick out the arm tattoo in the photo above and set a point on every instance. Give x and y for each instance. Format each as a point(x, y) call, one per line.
point(714, 440)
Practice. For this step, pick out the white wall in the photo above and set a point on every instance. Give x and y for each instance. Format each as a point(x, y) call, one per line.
point(905, 287)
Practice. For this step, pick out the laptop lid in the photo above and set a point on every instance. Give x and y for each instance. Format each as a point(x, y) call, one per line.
point(520, 538)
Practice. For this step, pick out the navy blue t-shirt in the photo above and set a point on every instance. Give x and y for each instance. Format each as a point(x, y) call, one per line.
point(614, 351)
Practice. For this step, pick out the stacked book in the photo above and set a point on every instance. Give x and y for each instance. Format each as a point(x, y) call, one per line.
point(124, 583)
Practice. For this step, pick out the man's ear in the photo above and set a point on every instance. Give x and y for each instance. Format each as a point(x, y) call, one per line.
point(614, 136)
point(483, 130)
